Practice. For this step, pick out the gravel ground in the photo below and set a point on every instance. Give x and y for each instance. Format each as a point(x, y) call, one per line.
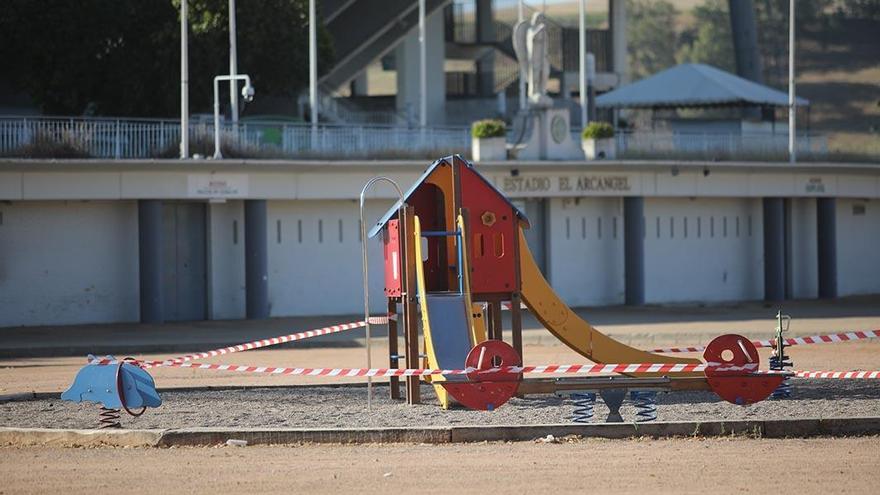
point(345, 407)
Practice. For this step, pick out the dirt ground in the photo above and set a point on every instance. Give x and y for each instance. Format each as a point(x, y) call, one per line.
point(727, 465)
point(583, 466)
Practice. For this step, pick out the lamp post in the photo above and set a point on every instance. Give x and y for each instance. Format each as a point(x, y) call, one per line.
point(233, 63)
point(313, 73)
point(423, 70)
point(247, 93)
point(792, 101)
point(184, 84)
point(520, 16)
point(582, 52)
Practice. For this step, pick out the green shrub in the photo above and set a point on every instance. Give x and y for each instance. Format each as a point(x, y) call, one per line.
point(488, 128)
point(598, 130)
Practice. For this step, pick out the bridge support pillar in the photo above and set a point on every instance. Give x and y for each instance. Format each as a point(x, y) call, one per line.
point(826, 235)
point(150, 260)
point(634, 250)
point(774, 249)
point(256, 266)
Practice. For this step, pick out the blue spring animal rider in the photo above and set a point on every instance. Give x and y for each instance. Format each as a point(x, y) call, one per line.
point(114, 385)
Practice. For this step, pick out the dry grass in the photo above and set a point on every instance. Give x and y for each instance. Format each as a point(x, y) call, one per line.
point(44, 145)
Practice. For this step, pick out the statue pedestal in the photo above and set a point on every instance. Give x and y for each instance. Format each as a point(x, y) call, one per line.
point(549, 136)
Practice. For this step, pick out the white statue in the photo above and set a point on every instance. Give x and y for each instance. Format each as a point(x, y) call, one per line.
point(530, 45)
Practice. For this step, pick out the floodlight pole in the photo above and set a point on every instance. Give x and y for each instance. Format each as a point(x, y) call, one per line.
point(582, 50)
point(233, 80)
point(313, 72)
point(792, 102)
point(233, 65)
point(522, 82)
point(423, 69)
point(184, 84)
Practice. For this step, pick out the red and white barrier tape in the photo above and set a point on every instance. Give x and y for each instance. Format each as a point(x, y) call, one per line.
point(257, 344)
point(380, 372)
point(815, 339)
point(838, 374)
point(551, 369)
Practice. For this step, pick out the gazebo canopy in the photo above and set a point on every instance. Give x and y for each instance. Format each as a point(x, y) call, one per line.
point(694, 85)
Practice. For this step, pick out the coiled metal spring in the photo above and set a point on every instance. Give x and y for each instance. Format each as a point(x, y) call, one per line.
point(584, 403)
point(645, 402)
point(783, 391)
point(109, 418)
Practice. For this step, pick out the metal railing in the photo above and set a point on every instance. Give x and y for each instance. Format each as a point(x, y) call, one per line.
point(385, 141)
point(716, 145)
point(100, 138)
point(48, 137)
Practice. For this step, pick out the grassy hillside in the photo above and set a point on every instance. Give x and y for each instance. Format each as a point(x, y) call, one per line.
point(839, 72)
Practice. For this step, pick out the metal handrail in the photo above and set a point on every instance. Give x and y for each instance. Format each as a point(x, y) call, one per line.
point(366, 274)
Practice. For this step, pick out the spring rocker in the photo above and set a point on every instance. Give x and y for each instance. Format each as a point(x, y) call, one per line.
point(114, 385)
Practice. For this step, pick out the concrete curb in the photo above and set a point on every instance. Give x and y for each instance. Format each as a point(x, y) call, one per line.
point(783, 428)
point(79, 438)
point(258, 436)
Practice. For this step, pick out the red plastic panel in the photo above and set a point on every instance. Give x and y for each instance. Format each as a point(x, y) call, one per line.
point(739, 387)
point(493, 233)
point(482, 396)
point(487, 391)
point(393, 267)
point(728, 351)
point(492, 354)
point(744, 390)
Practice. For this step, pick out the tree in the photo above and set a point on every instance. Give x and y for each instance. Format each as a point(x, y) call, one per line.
point(772, 18)
point(652, 38)
point(709, 40)
point(122, 57)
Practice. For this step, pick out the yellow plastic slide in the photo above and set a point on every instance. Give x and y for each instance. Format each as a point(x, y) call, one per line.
point(458, 322)
point(568, 327)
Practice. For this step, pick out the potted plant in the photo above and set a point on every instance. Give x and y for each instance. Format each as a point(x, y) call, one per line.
point(489, 140)
point(597, 141)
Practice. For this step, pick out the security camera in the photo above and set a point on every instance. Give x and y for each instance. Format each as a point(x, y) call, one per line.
point(247, 93)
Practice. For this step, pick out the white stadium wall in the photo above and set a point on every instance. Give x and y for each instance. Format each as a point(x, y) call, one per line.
point(703, 249)
point(315, 258)
point(858, 247)
point(69, 232)
point(585, 262)
point(68, 262)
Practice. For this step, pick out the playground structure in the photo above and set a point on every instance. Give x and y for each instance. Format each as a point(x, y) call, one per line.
point(455, 257)
point(455, 253)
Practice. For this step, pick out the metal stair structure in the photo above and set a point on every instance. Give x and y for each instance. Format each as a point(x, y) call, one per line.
point(360, 36)
point(365, 30)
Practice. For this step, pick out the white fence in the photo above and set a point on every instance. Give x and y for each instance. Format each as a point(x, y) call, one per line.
point(129, 138)
point(708, 144)
point(48, 137)
point(100, 138)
